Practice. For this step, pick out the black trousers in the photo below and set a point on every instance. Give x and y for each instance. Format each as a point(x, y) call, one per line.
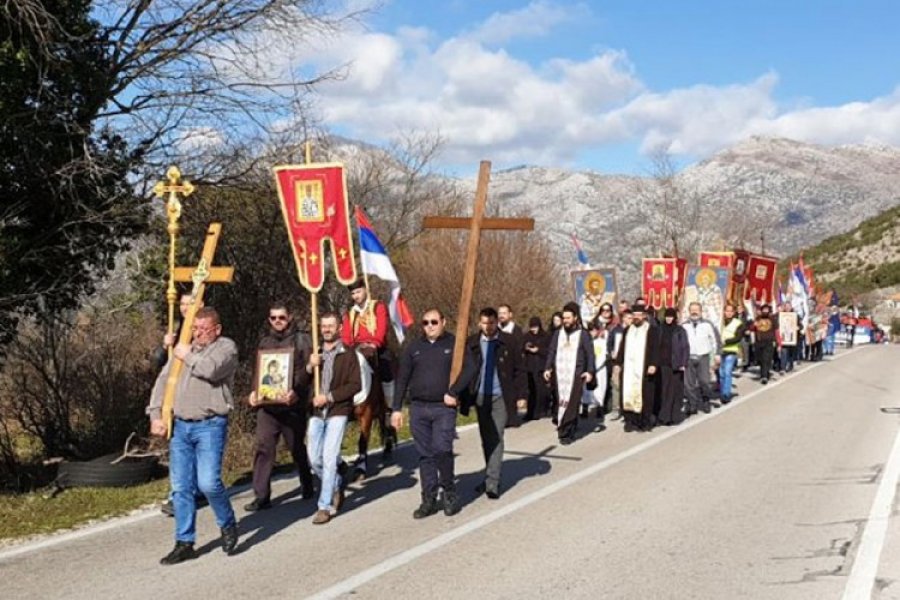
point(538, 396)
point(433, 427)
point(764, 353)
point(291, 425)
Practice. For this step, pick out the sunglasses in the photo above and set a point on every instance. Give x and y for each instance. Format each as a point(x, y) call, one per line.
point(278, 318)
point(432, 322)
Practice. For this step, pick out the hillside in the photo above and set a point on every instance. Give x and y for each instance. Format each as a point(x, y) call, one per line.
point(864, 259)
point(793, 193)
point(774, 193)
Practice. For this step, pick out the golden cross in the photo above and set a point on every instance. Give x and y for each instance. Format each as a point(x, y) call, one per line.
point(173, 212)
point(475, 225)
point(200, 276)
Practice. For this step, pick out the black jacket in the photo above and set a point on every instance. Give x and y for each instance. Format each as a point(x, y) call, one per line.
point(425, 370)
point(510, 370)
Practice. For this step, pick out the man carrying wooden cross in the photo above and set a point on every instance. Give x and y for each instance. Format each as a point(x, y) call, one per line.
point(190, 402)
point(203, 400)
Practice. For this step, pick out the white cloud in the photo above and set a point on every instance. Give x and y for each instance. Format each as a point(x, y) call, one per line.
point(489, 103)
point(536, 19)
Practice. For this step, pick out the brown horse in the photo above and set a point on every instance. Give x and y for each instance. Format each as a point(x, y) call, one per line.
point(373, 409)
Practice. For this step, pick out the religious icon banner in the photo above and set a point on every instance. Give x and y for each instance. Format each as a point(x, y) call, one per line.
point(717, 259)
point(759, 282)
point(593, 288)
point(741, 258)
point(658, 282)
point(314, 204)
point(709, 287)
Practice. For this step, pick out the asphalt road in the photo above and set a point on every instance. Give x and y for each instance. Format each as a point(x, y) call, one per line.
point(775, 496)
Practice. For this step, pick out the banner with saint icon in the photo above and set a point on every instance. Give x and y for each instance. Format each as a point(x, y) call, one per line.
point(709, 286)
point(314, 204)
point(658, 282)
point(593, 288)
point(759, 282)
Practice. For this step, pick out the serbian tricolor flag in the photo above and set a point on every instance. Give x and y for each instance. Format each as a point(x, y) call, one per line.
point(579, 253)
point(375, 261)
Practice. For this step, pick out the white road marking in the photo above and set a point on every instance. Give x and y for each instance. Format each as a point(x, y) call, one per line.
point(349, 584)
point(865, 564)
point(142, 514)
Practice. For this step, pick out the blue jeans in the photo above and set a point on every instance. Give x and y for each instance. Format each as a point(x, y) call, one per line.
point(787, 358)
point(829, 343)
point(726, 368)
point(324, 447)
point(195, 455)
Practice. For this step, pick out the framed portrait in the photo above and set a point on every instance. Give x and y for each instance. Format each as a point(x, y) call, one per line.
point(274, 373)
point(593, 288)
point(787, 327)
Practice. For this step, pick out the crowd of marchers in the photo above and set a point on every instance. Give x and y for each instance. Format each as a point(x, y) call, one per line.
point(629, 363)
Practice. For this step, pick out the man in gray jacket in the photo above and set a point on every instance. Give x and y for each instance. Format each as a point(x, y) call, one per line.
point(203, 399)
point(705, 345)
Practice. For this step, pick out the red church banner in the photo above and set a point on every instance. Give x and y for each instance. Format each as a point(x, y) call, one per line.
point(314, 205)
point(717, 259)
point(739, 272)
point(759, 283)
point(658, 282)
point(681, 268)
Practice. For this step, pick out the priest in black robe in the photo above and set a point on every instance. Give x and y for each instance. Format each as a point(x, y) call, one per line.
point(639, 362)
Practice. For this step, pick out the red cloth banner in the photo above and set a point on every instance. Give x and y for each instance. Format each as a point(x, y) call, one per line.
point(681, 267)
point(658, 282)
point(717, 259)
point(760, 279)
point(314, 205)
point(741, 260)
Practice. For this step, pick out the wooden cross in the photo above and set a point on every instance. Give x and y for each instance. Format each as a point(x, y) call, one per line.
point(475, 225)
point(199, 276)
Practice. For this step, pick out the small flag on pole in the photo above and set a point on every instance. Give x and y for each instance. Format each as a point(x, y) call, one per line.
point(579, 252)
point(375, 261)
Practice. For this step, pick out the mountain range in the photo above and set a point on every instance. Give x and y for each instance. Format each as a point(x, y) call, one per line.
point(793, 194)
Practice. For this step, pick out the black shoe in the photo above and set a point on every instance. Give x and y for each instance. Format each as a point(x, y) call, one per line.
point(584, 411)
point(726, 400)
point(566, 441)
point(426, 509)
point(258, 504)
point(705, 408)
point(229, 539)
point(451, 502)
point(765, 381)
point(307, 490)
point(167, 509)
point(181, 552)
point(493, 494)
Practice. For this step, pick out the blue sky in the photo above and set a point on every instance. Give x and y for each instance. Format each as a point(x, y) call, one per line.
point(601, 85)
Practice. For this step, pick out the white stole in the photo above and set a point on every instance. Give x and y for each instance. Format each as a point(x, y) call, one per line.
point(633, 368)
point(566, 357)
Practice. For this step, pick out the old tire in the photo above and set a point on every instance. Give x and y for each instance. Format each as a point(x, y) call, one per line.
point(100, 472)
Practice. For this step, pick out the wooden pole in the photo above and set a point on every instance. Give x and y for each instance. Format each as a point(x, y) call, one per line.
point(468, 287)
point(313, 305)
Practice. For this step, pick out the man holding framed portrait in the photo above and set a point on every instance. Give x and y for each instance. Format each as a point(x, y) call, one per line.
point(280, 402)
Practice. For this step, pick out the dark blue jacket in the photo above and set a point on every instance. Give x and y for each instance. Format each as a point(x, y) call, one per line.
point(425, 370)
